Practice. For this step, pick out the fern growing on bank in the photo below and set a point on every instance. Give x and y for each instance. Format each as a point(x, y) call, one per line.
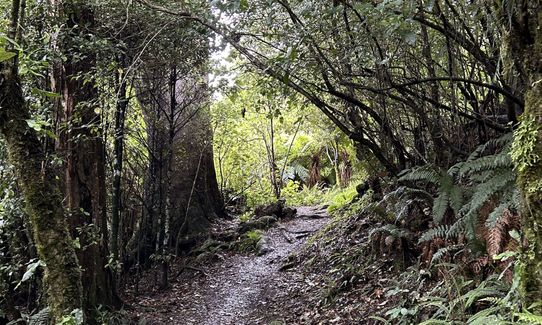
point(485, 180)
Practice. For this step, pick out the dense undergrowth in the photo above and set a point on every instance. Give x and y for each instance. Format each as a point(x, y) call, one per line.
point(433, 247)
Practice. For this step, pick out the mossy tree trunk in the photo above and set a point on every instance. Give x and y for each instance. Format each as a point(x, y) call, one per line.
point(523, 25)
point(43, 199)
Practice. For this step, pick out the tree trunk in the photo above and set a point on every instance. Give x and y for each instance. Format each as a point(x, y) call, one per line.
point(194, 184)
point(175, 110)
point(43, 200)
point(525, 49)
point(81, 142)
point(120, 113)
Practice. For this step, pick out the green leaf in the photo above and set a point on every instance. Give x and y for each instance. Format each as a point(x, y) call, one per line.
point(243, 5)
point(5, 55)
point(439, 207)
point(48, 94)
point(456, 198)
point(33, 124)
point(30, 270)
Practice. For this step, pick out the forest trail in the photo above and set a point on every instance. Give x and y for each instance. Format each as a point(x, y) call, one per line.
point(241, 289)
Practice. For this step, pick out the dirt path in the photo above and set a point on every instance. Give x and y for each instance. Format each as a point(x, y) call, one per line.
point(241, 289)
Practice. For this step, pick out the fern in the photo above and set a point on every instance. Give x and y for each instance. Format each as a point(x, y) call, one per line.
point(456, 198)
point(392, 230)
point(440, 205)
point(425, 173)
point(491, 162)
point(501, 182)
point(449, 194)
point(437, 232)
point(403, 208)
point(494, 144)
point(443, 251)
point(529, 317)
point(486, 316)
point(496, 215)
point(457, 229)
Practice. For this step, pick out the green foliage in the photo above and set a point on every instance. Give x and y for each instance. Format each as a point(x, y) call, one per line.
point(525, 140)
point(455, 300)
point(342, 198)
point(256, 121)
point(305, 196)
point(74, 318)
point(245, 216)
point(449, 194)
point(529, 317)
point(5, 55)
point(30, 271)
point(467, 187)
point(249, 241)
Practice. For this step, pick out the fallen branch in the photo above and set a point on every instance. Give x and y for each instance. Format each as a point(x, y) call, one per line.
point(193, 268)
point(285, 235)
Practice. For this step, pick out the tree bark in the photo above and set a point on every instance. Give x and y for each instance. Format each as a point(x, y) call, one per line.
point(524, 41)
point(81, 143)
point(43, 199)
point(120, 114)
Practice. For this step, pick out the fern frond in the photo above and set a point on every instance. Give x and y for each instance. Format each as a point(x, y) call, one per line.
point(414, 192)
point(456, 198)
point(485, 316)
point(495, 216)
point(436, 322)
point(456, 229)
point(402, 208)
point(440, 205)
point(437, 232)
point(494, 144)
point(491, 162)
point(483, 192)
point(392, 230)
point(399, 193)
point(529, 317)
point(480, 292)
point(443, 251)
point(425, 173)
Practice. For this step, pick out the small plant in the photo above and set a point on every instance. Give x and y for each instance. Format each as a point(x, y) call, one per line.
point(249, 241)
point(245, 216)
